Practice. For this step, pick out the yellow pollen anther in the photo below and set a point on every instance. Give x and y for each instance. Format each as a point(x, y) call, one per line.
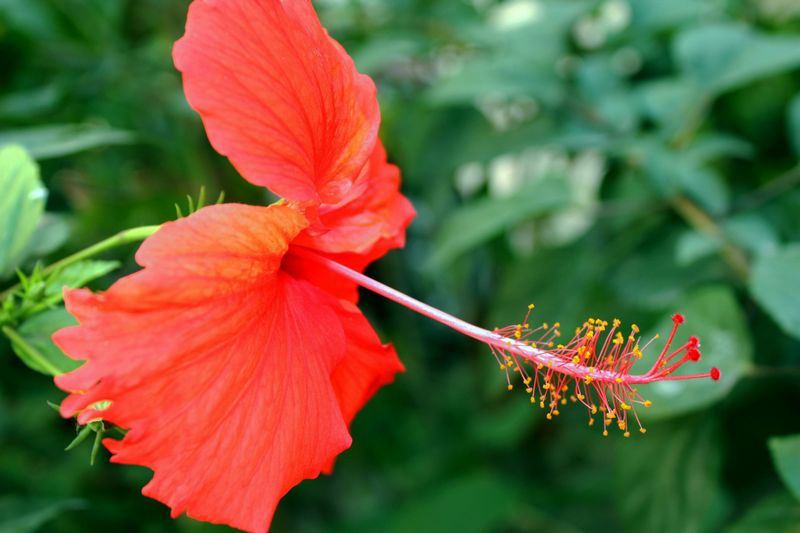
point(510, 387)
point(605, 433)
point(648, 403)
point(626, 434)
point(642, 430)
point(531, 306)
point(549, 416)
point(635, 328)
point(576, 360)
point(618, 380)
point(616, 322)
point(625, 406)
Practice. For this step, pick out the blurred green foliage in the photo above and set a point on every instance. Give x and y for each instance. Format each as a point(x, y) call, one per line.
point(628, 158)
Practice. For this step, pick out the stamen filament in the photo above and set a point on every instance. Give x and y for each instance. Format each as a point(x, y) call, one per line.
point(519, 348)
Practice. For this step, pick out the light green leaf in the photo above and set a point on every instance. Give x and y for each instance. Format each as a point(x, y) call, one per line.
point(775, 285)
point(44, 142)
point(21, 204)
point(786, 455)
point(35, 346)
point(477, 222)
point(51, 232)
point(670, 479)
point(79, 274)
point(724, 56)
point(714, 316)
point(775, 514)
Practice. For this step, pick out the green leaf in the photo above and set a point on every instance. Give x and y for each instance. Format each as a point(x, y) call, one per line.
point(51, 232)
point(44, 142)
point(786, 455)
point(504, 427)
point(36, 332)
point(654, 15)
point(673, 171)
point(793, 120)
point(714, 316)
point(751, 232)
point(23, 515)
point(473, 224)
point(725, 56)
point(670, 479)
point(23, 104)
point(775, 285)
point(775, 514)
point(21, 204)
point(78, 275)
point(493, 78)
point(695, 245)
point(484, 502)
point(669, 102)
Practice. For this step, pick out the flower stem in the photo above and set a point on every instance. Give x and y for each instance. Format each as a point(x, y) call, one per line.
point(123, 237)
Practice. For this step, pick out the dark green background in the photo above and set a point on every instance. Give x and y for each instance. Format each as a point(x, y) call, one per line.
point(628, 158)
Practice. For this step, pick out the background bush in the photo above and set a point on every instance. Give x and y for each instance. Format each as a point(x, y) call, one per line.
point(628, 158)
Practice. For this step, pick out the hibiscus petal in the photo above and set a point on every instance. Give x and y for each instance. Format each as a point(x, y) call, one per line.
point(367, 366)
point(217, 361)
point(367, 223)
point(278, 96)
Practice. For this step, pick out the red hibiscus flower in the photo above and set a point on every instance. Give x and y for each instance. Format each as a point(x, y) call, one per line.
point(234, 362)
point(237, 357)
